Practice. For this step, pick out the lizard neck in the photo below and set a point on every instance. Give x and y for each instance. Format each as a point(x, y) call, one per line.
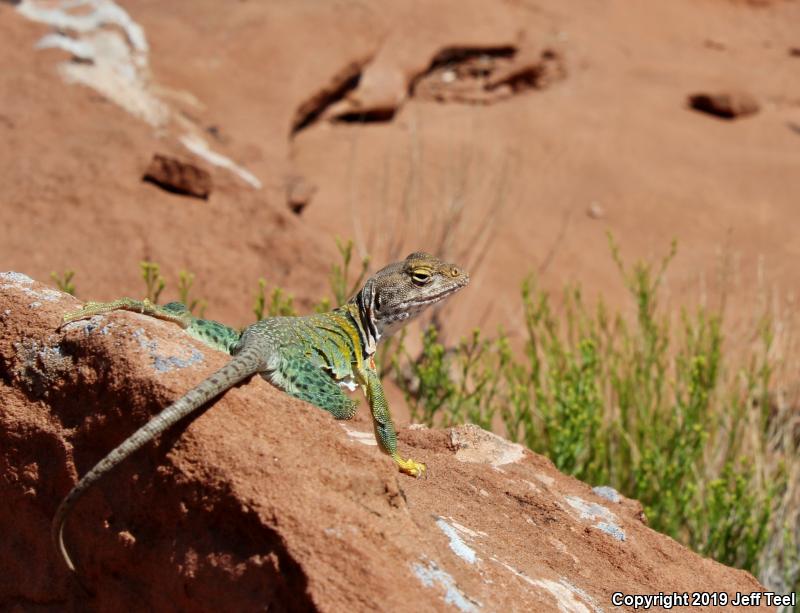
point(362, 309)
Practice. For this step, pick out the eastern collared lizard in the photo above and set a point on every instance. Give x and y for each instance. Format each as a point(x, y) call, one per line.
point(310, 358)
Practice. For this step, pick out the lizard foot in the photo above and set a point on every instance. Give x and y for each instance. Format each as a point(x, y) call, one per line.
point(410, 467)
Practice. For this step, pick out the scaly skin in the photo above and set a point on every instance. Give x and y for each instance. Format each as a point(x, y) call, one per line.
point(311, 358)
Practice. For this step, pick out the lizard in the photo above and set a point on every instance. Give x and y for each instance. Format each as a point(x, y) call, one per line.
point(311, 358)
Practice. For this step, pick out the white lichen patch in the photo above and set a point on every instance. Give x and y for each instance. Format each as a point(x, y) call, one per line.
point(431, 575)
point(110, 55)
point(112, 61)
point(101, 13)
point(344, 533)
point(533, 486)
point(566, 600)
point(569, 599)
point(590, 510)
point(546, 479)
point(200, 148)
point(16, 278)
point(457, 545)
point(49, 295)
point(468, 531)
point(334, 532)
point(166, 362)
point(365, 438)
point(581, 594)
point(612, 529)
point(21, 284)
point(606, 520)
point(112, 72)
point(163, 361)
point(89, 325)
point(607, 492)
point(562, 548)
point(476, 445)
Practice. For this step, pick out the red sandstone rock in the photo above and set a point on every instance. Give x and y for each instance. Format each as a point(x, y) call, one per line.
point(728, 105)
point(262, 502)
point(299, 193)
point(177, 176)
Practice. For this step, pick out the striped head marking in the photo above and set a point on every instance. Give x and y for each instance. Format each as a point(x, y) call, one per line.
point(398, 293)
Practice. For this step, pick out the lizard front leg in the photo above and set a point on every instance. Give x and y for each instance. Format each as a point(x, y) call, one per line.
point(297, 376)
point(382, 421)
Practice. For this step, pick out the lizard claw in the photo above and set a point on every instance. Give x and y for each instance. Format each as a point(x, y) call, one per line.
point(411, 467)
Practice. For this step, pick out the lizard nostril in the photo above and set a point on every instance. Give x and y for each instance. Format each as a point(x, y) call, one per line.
point(455, 271)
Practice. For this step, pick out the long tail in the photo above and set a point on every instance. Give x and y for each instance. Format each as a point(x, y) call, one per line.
point(243, 365)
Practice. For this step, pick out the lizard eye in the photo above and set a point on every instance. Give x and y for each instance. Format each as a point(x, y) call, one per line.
point(420, 277)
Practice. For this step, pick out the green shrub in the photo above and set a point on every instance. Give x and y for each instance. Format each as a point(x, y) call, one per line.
point(646, 406)
point(340, 274)
point(64, 281)
point(154, 282)
point(197, 306)
point(280, 303)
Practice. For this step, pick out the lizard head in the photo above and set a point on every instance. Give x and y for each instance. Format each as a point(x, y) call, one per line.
point(399, 292)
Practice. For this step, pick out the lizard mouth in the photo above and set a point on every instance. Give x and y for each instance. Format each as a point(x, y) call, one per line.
point(437, 297)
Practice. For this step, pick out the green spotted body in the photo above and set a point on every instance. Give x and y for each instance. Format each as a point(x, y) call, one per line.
point(312, 358)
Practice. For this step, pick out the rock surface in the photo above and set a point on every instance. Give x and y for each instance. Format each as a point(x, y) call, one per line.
point(728, 105)
point(177, 176)
point(262, 502)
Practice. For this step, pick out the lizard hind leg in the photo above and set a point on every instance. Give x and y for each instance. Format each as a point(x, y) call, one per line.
point(212, 333)
point(299, 377)
point(174, 312)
